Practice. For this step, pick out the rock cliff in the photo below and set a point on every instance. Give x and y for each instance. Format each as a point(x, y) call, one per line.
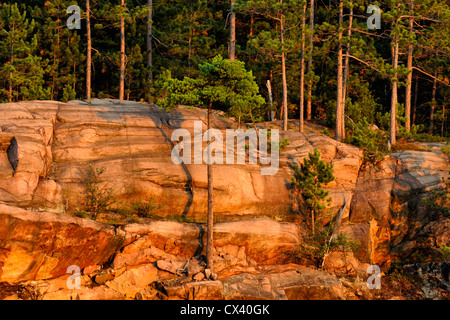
point(45, 148)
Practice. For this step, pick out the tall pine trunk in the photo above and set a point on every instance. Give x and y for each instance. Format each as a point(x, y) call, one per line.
point(433, 101)
point(340, 129)
point(232, 32)
point(302, 71)
point(409, 62)
point(443, 120)
point(210, 215)
point(122, 55)
point(347, 57)
point(150, 46)
point(310, 61)
point(394, 98)
point(89, 50)
point(12, 63)
point(283, 71)
point(416, 94)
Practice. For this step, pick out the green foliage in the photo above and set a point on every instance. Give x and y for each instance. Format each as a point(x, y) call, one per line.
point(221, 82)
point(445, 252)
point(284, 143)
point(419, 134)
point(315, 246)
point(49, 60)
point(97, 197)
point(23, 69)
point(360, 102)
point(371, 140)
point(308, 180)
point(446, 149)
point(145, 208)
point(185, 219)
point(326, 132)
point(439, 200)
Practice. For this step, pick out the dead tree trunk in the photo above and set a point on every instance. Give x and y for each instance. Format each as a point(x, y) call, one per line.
point(339, 134)
point(150, 45)
point(284, 80)
point(311, 47)
point(302, 72)
point(122, 55)
point(433, 102)
point(89, 50)
point(232, 32)
point(409, 62)
point(394, 99)
point(210, 215)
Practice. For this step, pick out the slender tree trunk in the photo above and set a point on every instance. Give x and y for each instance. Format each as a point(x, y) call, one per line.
point(122, 55)
point(252, 21)
point(339, 135)
point(433, 102)
point(347, 58)
point(416, 94)
point(302, 71)
point(443, 120)
point(409, 77)
point(150, 46)
point(191, 35)
point(232, 32)
point(12, 64)
point(283, 71)
point(394, 98)
point(210, 217)
point(271, 111)
point(11, 57)
point(311, 47)
point(89, 50)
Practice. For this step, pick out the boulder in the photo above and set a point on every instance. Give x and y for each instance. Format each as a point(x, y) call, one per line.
point(343, 263)
point(266, 241)
point(134, 280)
point(31, 125)
point(201, 290)
point(159, 240)
point(299, 284)
point(259, 240)
point(42, 245)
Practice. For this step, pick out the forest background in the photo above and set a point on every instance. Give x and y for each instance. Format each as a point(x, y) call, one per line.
point(319, 56)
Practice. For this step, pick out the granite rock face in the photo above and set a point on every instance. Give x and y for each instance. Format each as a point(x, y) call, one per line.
point(389, 213)
point(42, 245)
point(45, 148)
point(133, 142)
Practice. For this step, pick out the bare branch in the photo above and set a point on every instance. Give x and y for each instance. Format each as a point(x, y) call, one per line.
point(433, 77)
point(362, 61)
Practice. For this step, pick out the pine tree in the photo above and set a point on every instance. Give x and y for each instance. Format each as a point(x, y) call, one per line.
point(23, 72)
point(285, 15)
point(308, 181)
point(221, 81)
